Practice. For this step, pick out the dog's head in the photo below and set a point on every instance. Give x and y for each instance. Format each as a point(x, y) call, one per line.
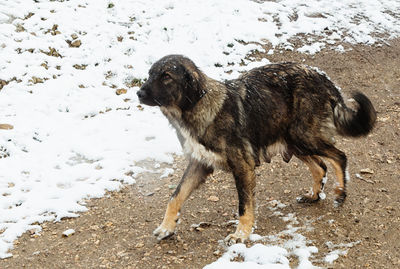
point(174, 80)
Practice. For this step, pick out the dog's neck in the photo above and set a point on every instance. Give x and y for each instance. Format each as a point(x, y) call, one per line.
point(203, 113)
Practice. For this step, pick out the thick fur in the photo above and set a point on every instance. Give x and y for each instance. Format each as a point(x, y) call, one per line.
point(285, 108)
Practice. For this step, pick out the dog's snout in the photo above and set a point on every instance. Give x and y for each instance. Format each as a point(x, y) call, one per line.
point(141, 94)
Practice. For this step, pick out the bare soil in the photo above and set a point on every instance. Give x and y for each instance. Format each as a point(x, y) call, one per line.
point(116, 231)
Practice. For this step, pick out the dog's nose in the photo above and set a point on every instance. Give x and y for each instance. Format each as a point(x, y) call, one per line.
point(141, 94)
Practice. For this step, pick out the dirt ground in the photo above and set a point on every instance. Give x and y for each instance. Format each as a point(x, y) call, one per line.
point(116, 232)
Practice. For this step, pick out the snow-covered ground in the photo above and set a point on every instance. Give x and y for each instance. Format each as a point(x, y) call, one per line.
point(61, 63)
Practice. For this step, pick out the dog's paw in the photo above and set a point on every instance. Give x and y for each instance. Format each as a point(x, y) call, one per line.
point(340, 197)
point(163, 233)
point(235, 238)
point(339, 200)
point(306, 199)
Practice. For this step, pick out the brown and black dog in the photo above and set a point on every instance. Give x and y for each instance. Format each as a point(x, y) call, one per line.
point(285, 108)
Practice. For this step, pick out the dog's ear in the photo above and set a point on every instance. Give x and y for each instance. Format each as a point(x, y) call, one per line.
point(194, 88)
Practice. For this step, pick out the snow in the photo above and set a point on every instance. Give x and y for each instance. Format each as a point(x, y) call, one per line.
point(257, 256)
point(74, 138)
point(337, 250)
point(278, 250)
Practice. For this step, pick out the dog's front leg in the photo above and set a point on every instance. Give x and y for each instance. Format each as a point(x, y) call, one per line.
point(194, 175)
point(244, 175)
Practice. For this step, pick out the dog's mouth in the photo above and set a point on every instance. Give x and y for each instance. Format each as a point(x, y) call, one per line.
point(145, 99)
point(148, 102)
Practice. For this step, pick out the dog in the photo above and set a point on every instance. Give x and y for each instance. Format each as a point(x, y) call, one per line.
point(235, 125)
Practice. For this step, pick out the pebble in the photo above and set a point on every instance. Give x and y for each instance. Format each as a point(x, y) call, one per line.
point(76, 43)
point(68, 232)
point(121, 91)
point(213, 198)
point(367, 171)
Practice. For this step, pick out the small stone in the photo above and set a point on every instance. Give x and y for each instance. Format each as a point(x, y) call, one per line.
point(366, 171)
point(121, 91)
point(75, 44)
point(68, 232)
point(122, 254)
point(74, 36)
point(172, 186)
point(6, 127)
point(213, 198)
point(139, 245)
point(36, 80)
point(217, 252)
point(94, 227)
point(286, 191)
point(19, 28)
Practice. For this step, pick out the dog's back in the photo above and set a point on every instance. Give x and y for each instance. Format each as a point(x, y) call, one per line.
point(296, 105)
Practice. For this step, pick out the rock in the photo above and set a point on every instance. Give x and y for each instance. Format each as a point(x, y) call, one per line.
point(36, 80)
point(213, 198)
point(52, 52)
point(68, 233)
point(76, 44)
point(121, 91)
point(366, 180)
point(94, 227)
point(6, 127)
point(366, 171)
point(19, 28)
point(80, 66)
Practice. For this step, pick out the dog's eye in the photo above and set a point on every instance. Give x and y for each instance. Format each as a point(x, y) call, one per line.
point(166, 77)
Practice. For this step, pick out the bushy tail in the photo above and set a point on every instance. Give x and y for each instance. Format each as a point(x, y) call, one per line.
point(355, 123)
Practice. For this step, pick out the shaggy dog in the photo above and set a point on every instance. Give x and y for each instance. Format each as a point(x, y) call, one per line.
point(285, 108)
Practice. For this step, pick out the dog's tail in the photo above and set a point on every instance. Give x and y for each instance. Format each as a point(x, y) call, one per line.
point(355, 123)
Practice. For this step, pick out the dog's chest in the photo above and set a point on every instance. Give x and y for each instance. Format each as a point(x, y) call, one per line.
point(193, 149)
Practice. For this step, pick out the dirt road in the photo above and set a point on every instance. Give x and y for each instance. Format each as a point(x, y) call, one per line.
point(116, 232)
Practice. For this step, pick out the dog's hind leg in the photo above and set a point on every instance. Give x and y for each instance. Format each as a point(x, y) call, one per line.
point(244, 175)
point(194, 175)
point(339, 162)
point(318, 171)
